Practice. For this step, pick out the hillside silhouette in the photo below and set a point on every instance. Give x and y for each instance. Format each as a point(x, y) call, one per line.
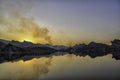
point(13, 50)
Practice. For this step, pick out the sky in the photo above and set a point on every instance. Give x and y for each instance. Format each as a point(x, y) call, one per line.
point(65, 22)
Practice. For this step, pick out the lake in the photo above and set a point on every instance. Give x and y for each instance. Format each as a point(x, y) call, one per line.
point(66, 66)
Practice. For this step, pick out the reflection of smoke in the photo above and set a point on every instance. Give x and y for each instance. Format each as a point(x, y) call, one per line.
point(14, 25)
point(61, 67)
point(29, 70)
point(33, 69)
point(83, 68)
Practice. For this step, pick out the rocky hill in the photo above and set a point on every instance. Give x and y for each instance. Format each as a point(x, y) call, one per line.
point(11, 50)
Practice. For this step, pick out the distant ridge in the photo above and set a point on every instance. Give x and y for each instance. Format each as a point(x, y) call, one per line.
point(10, 50)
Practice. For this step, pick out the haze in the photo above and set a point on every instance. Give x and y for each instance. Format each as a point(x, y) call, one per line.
point(73, 21)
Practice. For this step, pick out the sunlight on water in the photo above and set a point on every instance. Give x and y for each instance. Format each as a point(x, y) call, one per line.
point(67, 66)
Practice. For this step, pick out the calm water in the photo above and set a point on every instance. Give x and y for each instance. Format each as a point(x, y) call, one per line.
point(63, 66)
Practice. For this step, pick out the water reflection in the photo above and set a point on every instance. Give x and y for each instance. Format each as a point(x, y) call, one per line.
point(62, 66)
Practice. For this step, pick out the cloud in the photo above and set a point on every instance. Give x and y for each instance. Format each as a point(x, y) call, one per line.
point(16, 25)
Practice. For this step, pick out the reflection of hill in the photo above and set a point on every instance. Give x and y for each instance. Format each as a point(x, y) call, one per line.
point(98, 49)
point(11, 50)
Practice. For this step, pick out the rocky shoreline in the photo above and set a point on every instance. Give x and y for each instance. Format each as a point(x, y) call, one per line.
point(11, 50)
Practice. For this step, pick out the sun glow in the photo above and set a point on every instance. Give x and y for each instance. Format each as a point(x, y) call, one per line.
point(33, 40)
point(28, 39)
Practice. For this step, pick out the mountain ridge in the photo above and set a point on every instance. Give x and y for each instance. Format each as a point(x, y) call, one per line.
point(10, 50)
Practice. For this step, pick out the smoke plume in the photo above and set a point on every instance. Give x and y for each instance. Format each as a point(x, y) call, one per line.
point(16, 25)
